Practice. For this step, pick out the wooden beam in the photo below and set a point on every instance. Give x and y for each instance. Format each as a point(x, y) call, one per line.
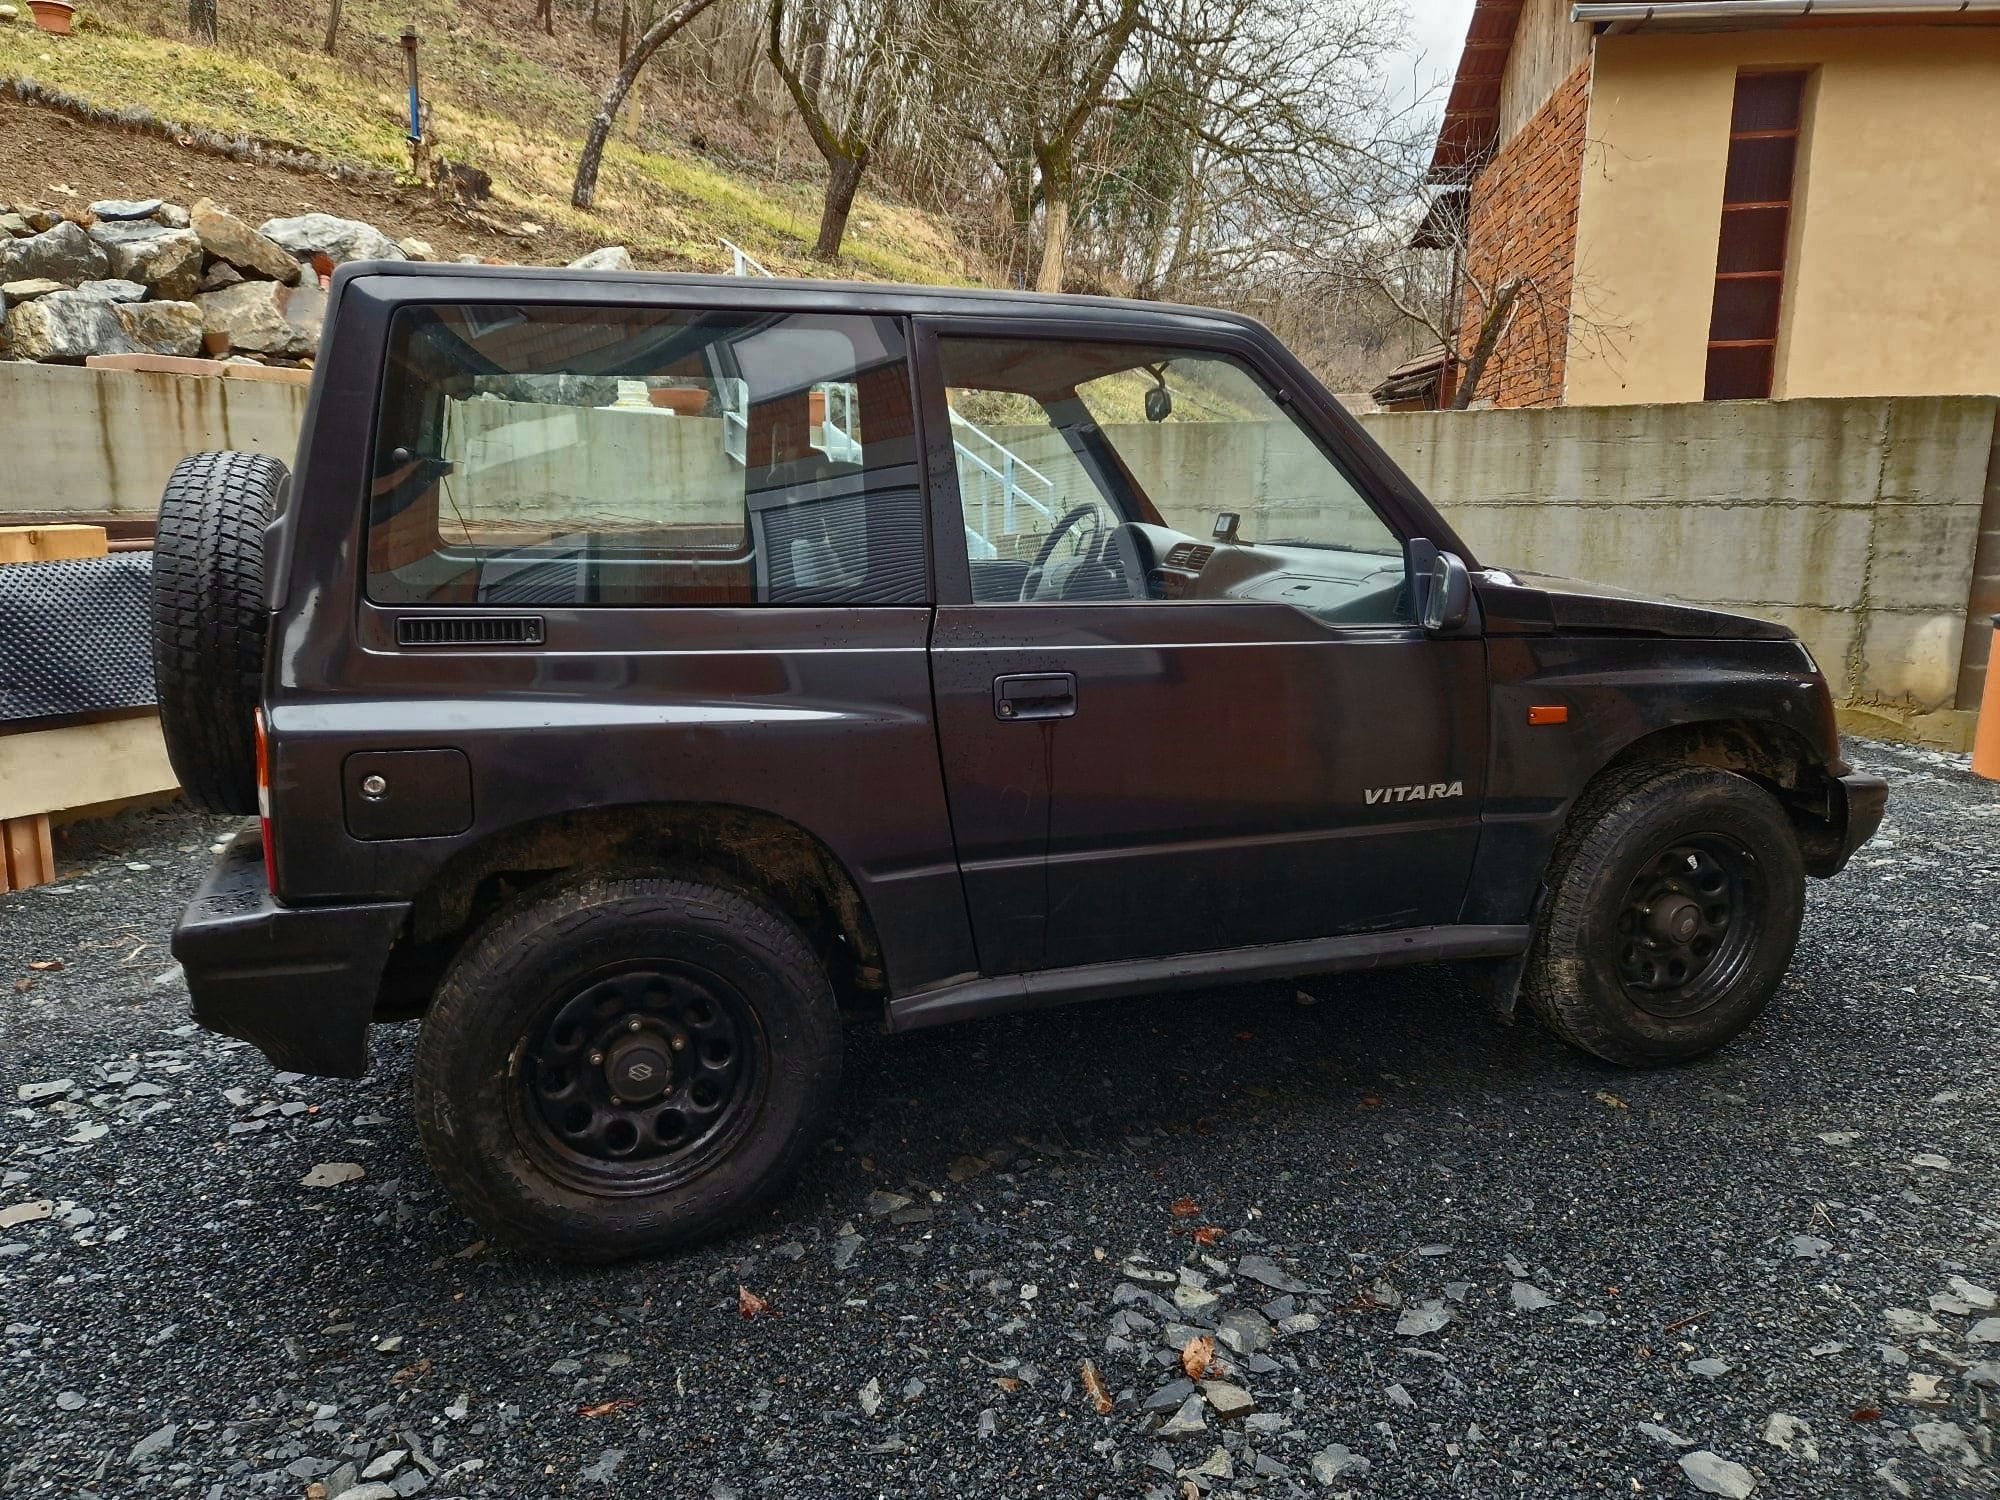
point(76, 765)
point(51, 543)
point(30, 857)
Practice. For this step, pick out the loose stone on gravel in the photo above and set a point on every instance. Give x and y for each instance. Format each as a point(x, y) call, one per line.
point(1191, 1418)
point(1425, 1317)
point(1335, 1462)
point(1713, 1474)
point(333, 1174)
point(1226, 1400)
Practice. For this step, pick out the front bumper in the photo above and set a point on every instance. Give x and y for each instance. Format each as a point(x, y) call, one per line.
point(297, 982)
point(1863, 799)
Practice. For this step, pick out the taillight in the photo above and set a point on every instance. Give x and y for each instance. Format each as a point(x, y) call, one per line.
point(264, 804)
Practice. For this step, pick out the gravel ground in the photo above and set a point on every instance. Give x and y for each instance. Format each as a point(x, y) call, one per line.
point(1437, 1256)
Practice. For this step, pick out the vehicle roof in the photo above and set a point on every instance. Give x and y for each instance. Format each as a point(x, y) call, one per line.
point(879, 296)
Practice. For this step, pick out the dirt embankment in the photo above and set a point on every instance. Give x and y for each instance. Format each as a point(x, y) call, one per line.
point(56, 161)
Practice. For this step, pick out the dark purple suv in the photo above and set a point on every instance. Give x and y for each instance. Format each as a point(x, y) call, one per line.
point(638, 672)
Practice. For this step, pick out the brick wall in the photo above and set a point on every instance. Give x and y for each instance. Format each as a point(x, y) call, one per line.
point(1522, 224)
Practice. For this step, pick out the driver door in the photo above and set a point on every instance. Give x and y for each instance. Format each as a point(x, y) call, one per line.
point(1140, 763)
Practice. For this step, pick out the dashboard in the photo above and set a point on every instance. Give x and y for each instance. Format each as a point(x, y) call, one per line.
point(1332, 584)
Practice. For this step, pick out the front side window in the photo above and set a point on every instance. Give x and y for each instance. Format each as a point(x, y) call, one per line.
point(1082, 468)
point(605, 456)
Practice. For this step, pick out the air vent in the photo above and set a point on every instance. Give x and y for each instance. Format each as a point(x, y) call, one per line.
point(1189, 557)
point(469, 630)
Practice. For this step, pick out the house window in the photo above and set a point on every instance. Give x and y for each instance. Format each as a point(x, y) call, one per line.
point(1756, 226)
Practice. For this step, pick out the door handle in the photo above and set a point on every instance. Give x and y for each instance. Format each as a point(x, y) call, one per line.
point(1035, 695)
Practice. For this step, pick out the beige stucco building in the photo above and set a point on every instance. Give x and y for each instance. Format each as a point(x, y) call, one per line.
point(1709, 198)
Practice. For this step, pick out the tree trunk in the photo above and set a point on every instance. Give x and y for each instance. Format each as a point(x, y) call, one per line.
point(815, 67)
point(1495, 324)
point(843, 179)
point(201, 20)
point(1055, 236)
point(624, 32)
point(545, 12)
point(584, 191)
point(332, 27)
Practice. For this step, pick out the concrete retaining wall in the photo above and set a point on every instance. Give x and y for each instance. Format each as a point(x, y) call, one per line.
point(1856, 522)
point(76, 439)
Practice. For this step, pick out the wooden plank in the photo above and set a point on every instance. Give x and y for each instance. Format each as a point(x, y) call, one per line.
point(30, 854)
point(51, 543)
point(74, 765)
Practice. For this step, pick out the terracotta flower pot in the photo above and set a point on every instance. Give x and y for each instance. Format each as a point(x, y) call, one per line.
point(52, 16)
point(681, 401)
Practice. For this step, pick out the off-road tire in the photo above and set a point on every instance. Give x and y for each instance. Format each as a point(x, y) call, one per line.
point(1621, 822)
point(471, 1061)
point(209, 621)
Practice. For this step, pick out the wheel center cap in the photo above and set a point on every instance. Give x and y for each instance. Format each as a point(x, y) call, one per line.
point(1676, 920)
point(638, 1067)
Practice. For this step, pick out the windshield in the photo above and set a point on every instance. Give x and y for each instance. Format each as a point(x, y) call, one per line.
point(1206, 441)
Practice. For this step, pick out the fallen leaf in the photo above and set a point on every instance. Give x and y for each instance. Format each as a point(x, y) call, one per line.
point(1185, 1208)
point(1610, 1099)
point(1246, 1036)
point(603, 1408)
point(22, 986)
point(1371, 1101)
point(411, 1372)
point(1865, 1414)
point(1093, 1385)
point(749, 1303)
point(1208, 1234)
point(1196, 1356)
point(46, 965)
point(1007, 1383)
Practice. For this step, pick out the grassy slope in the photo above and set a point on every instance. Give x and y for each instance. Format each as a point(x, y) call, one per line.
point(502, 96)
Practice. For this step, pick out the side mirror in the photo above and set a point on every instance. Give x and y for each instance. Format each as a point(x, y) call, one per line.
point(1440, 586)
point(1449, 597)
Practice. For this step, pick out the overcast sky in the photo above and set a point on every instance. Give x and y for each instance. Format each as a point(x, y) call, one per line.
point(1437, 34)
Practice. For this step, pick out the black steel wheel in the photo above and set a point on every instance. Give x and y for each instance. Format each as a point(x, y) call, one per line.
point(640, 1079)
point(1688, 926)
point(1674, 900)
point(615, 1067)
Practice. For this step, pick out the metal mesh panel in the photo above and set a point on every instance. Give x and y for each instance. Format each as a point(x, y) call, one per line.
point(74, 636)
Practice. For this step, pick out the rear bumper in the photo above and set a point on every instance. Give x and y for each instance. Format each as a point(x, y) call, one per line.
point(297, 982)
point(1863, 799)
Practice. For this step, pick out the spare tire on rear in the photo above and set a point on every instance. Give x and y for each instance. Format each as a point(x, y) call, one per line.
point(209, 621)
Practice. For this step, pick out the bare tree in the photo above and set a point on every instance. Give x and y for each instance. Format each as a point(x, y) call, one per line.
point(201, 20)
point(858, 54)
point(1031, 78)
point(332, 27)
point(584, 191)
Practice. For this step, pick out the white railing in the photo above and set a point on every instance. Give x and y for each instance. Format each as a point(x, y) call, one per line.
point(742, 262)
point(988, 470)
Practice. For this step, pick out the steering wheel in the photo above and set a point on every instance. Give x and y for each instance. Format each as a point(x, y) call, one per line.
point(1031, 585)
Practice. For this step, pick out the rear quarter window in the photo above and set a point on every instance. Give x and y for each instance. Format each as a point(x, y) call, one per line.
point(567, 456)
